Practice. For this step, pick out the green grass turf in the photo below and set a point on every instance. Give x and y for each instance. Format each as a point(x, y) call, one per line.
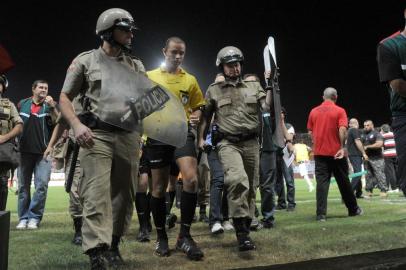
point(296, 237)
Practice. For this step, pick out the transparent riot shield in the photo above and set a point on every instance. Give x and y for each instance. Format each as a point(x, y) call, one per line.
point(131, 101)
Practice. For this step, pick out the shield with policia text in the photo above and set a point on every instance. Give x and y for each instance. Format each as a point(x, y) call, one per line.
point(131, 101)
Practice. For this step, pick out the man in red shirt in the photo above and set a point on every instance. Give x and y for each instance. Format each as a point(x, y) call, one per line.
point(327, 124)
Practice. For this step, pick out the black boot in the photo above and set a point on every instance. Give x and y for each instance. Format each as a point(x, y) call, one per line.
point(77, 237)
point(96, 258)
point(142, 206)
point(242, 231)
point(113, 255)
point(143, 233)
point(202, 214)
point(3, 192)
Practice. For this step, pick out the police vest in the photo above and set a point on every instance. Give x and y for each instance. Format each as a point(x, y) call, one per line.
point(5, 116)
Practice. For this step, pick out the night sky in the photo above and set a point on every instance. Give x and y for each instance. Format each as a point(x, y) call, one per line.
point(318, 44)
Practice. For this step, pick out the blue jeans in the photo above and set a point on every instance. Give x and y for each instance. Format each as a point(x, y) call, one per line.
point(218, 194)
point(283, 172)
point(267, 184)
point(32, 163)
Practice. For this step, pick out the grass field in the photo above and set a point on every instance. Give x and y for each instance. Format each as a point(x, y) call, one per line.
point(296, 237)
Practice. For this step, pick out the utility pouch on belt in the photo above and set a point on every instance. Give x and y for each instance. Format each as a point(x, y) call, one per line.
point(216, 135)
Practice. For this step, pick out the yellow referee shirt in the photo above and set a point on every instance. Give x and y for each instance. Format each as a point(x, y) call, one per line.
point(183, 85)
point(301, 152)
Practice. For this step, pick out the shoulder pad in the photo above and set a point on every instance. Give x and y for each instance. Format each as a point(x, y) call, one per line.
point(248, 81)
point(85, 53)
point(133, 57)
point(216, 83)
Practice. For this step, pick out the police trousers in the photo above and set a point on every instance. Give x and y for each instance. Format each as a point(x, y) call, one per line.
point(107, 190)
point(240, 163)
point(75, 207)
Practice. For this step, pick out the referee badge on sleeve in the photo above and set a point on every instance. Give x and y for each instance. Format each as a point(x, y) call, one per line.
point(184, 97)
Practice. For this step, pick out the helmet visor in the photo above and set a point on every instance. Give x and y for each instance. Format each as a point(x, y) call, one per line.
point(231, 58)
point(125, 25)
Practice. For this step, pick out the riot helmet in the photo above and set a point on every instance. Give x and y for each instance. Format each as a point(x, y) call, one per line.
point(229, 54)
point(4, 82)
point(111, 19)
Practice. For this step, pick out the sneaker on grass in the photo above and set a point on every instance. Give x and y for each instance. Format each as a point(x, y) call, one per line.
point(22, 225)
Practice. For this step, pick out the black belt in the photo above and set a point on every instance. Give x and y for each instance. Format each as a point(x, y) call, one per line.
point(107, 127)
point(236, 138)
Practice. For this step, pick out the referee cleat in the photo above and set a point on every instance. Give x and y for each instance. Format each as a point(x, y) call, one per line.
point(171, 220)
point(162, 247)
point(189, 247)
point(245, 243)
point(143, 235)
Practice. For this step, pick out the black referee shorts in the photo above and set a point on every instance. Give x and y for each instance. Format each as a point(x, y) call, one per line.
point(161, 155)
point(144, 165)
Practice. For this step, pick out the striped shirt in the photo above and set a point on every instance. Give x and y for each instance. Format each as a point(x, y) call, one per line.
point(389, 149)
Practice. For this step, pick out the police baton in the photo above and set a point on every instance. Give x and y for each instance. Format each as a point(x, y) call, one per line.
point(71, 173)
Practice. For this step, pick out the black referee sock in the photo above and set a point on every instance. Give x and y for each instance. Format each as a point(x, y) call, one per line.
point(142, 206)
point(148, 209)
point(187, 211)
point(169, 199)
point(158, 212)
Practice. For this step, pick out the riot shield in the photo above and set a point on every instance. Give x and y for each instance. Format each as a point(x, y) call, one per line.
point(131, 101)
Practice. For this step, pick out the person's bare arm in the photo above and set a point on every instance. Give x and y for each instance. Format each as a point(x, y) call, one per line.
point(360, 147)
point(342, 133)
point(83, 134)
point(266, 101)
point(53, 112)
point(17, 130)
point(56, 134)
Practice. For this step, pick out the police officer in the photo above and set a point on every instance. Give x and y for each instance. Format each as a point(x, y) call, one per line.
point(55, 145)
point(234, 103)
point(109, 154)
point(11, 125)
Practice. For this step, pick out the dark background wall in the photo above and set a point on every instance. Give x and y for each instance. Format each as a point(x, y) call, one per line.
point(318, 43)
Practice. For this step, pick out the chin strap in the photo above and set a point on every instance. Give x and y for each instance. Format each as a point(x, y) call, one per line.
point(108, 36)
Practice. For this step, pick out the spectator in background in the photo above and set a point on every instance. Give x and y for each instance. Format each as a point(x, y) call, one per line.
point(285, 171)
point(39, 115)
point(356, 152)
point(327, 125)
point(302, 160)
point(373, 143)
point(389, 155)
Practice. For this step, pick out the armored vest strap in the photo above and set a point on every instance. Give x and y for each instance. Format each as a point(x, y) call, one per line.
point(5, 116)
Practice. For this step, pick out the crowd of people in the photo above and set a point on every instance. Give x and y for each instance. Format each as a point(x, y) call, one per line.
point(228, 155)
